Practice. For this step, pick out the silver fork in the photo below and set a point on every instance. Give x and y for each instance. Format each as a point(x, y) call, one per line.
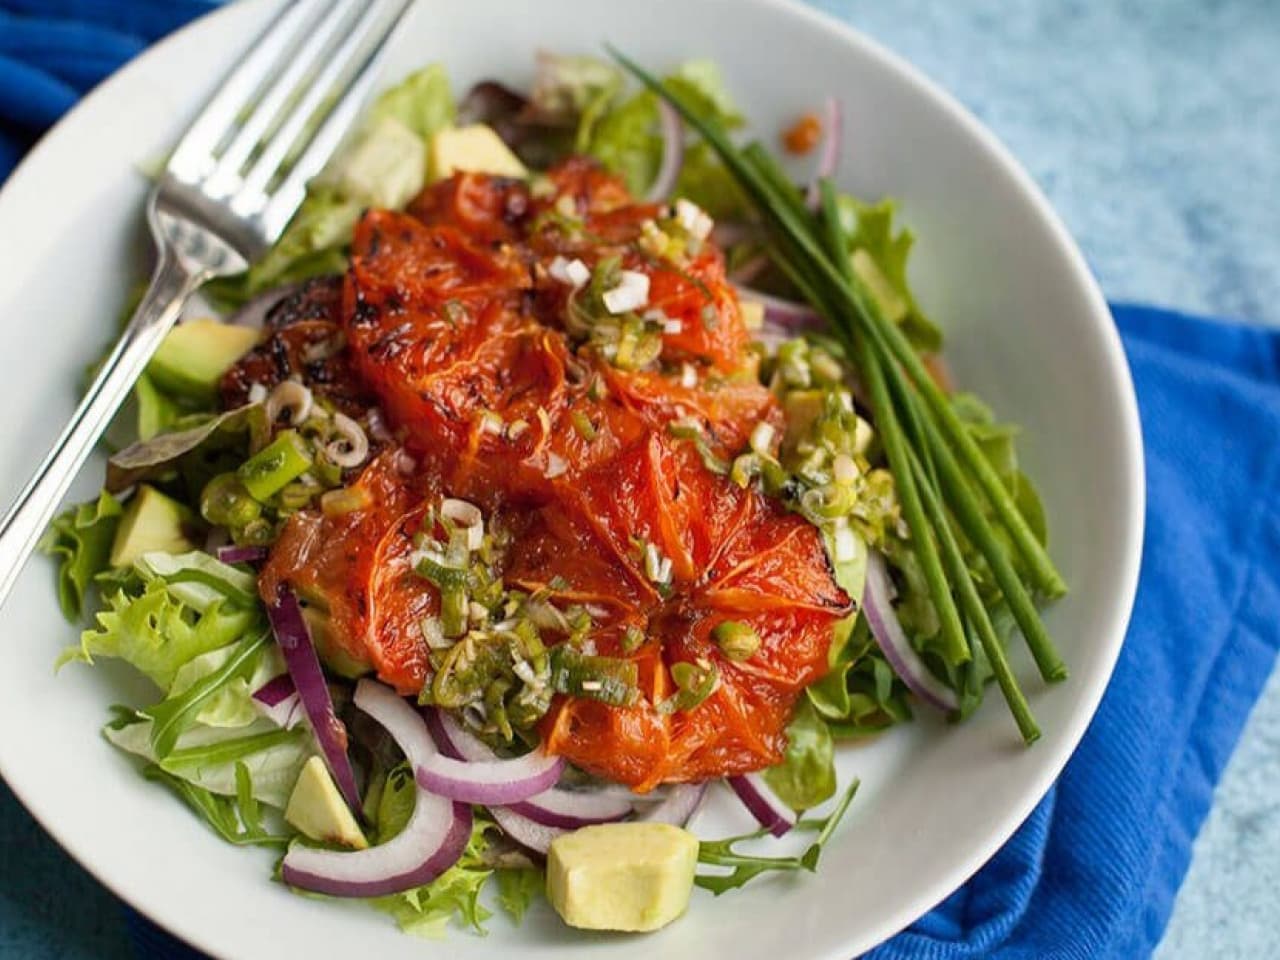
point(228, 191)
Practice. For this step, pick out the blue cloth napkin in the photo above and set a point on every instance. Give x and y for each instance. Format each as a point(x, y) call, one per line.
point(1093, 871)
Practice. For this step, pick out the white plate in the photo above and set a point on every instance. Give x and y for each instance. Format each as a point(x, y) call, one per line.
point(1026, 326)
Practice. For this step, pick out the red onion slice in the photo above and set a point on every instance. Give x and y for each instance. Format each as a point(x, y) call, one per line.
point(679, 806)
point(557, 807)
point(234, 554)
point(278, 701)
point(765, 805)
point(454, 740)
point(430, 843)
point(894, 643)
point(570, 809)
point(308, 678)
point(490, 781)
point(529, 834)
point(829, 158)
point(672, 153)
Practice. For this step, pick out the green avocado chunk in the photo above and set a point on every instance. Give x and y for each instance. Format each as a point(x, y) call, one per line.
point(152, 522)
point(622, 876)
point(317, 809)
point(195, 355)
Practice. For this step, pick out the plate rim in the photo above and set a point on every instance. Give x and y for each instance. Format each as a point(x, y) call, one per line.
point(1121, 601)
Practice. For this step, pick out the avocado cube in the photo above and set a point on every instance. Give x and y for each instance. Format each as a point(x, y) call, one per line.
point(317, 809)
point(152, 522)
point(622, 876)
point(475, 149)
point(194, 356)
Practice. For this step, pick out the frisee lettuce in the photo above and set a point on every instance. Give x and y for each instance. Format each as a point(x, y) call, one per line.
point(157, 633)
point(81, 540)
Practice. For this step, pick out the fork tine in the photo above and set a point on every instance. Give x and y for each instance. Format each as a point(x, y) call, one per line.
point(250, 200)
point(318, 34)
point(193, 157)
point(288, 195)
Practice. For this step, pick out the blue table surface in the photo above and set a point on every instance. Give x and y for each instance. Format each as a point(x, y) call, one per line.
point(1155, 130)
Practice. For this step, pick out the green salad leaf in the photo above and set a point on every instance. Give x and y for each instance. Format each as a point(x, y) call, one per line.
point(157, 633)
point(379, 167)
point(518, 887)
point(236, 818)
point(157, 456)
point(746, 867)
point(880, 261)
point(207, 757)
point(232, 704)
point(422, 102)
point(179, 711)
point(81, 541)
point(807, 775)
point(625, 140)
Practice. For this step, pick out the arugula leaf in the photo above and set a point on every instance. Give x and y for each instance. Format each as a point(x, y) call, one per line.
point(81, 538)
point(745, 867)
point(156, 633)
point(176, 713)
point(233, 750)
point(807, 775)
point(518, 887)
point(236, 819)
point(232, 705)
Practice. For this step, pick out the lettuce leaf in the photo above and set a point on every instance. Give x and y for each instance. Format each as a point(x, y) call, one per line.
point(518, 887)
point(207, 757)
point(157, 633)
point(861, 694)
point(625, 141)
point(232, 704)
point(81, 541)
point(422, 102)
point(807, 774)
point(880, 260)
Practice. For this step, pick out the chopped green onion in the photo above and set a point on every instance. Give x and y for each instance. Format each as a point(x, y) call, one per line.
point(736, 640)
point(282, 461)
point(225, 502)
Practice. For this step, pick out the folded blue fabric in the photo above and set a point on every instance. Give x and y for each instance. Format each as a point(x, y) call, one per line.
point(1093, 871)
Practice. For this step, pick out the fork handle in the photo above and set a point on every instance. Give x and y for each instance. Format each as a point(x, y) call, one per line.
point(171, 284)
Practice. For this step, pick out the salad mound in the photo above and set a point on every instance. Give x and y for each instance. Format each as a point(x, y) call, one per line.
point(560, 461)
